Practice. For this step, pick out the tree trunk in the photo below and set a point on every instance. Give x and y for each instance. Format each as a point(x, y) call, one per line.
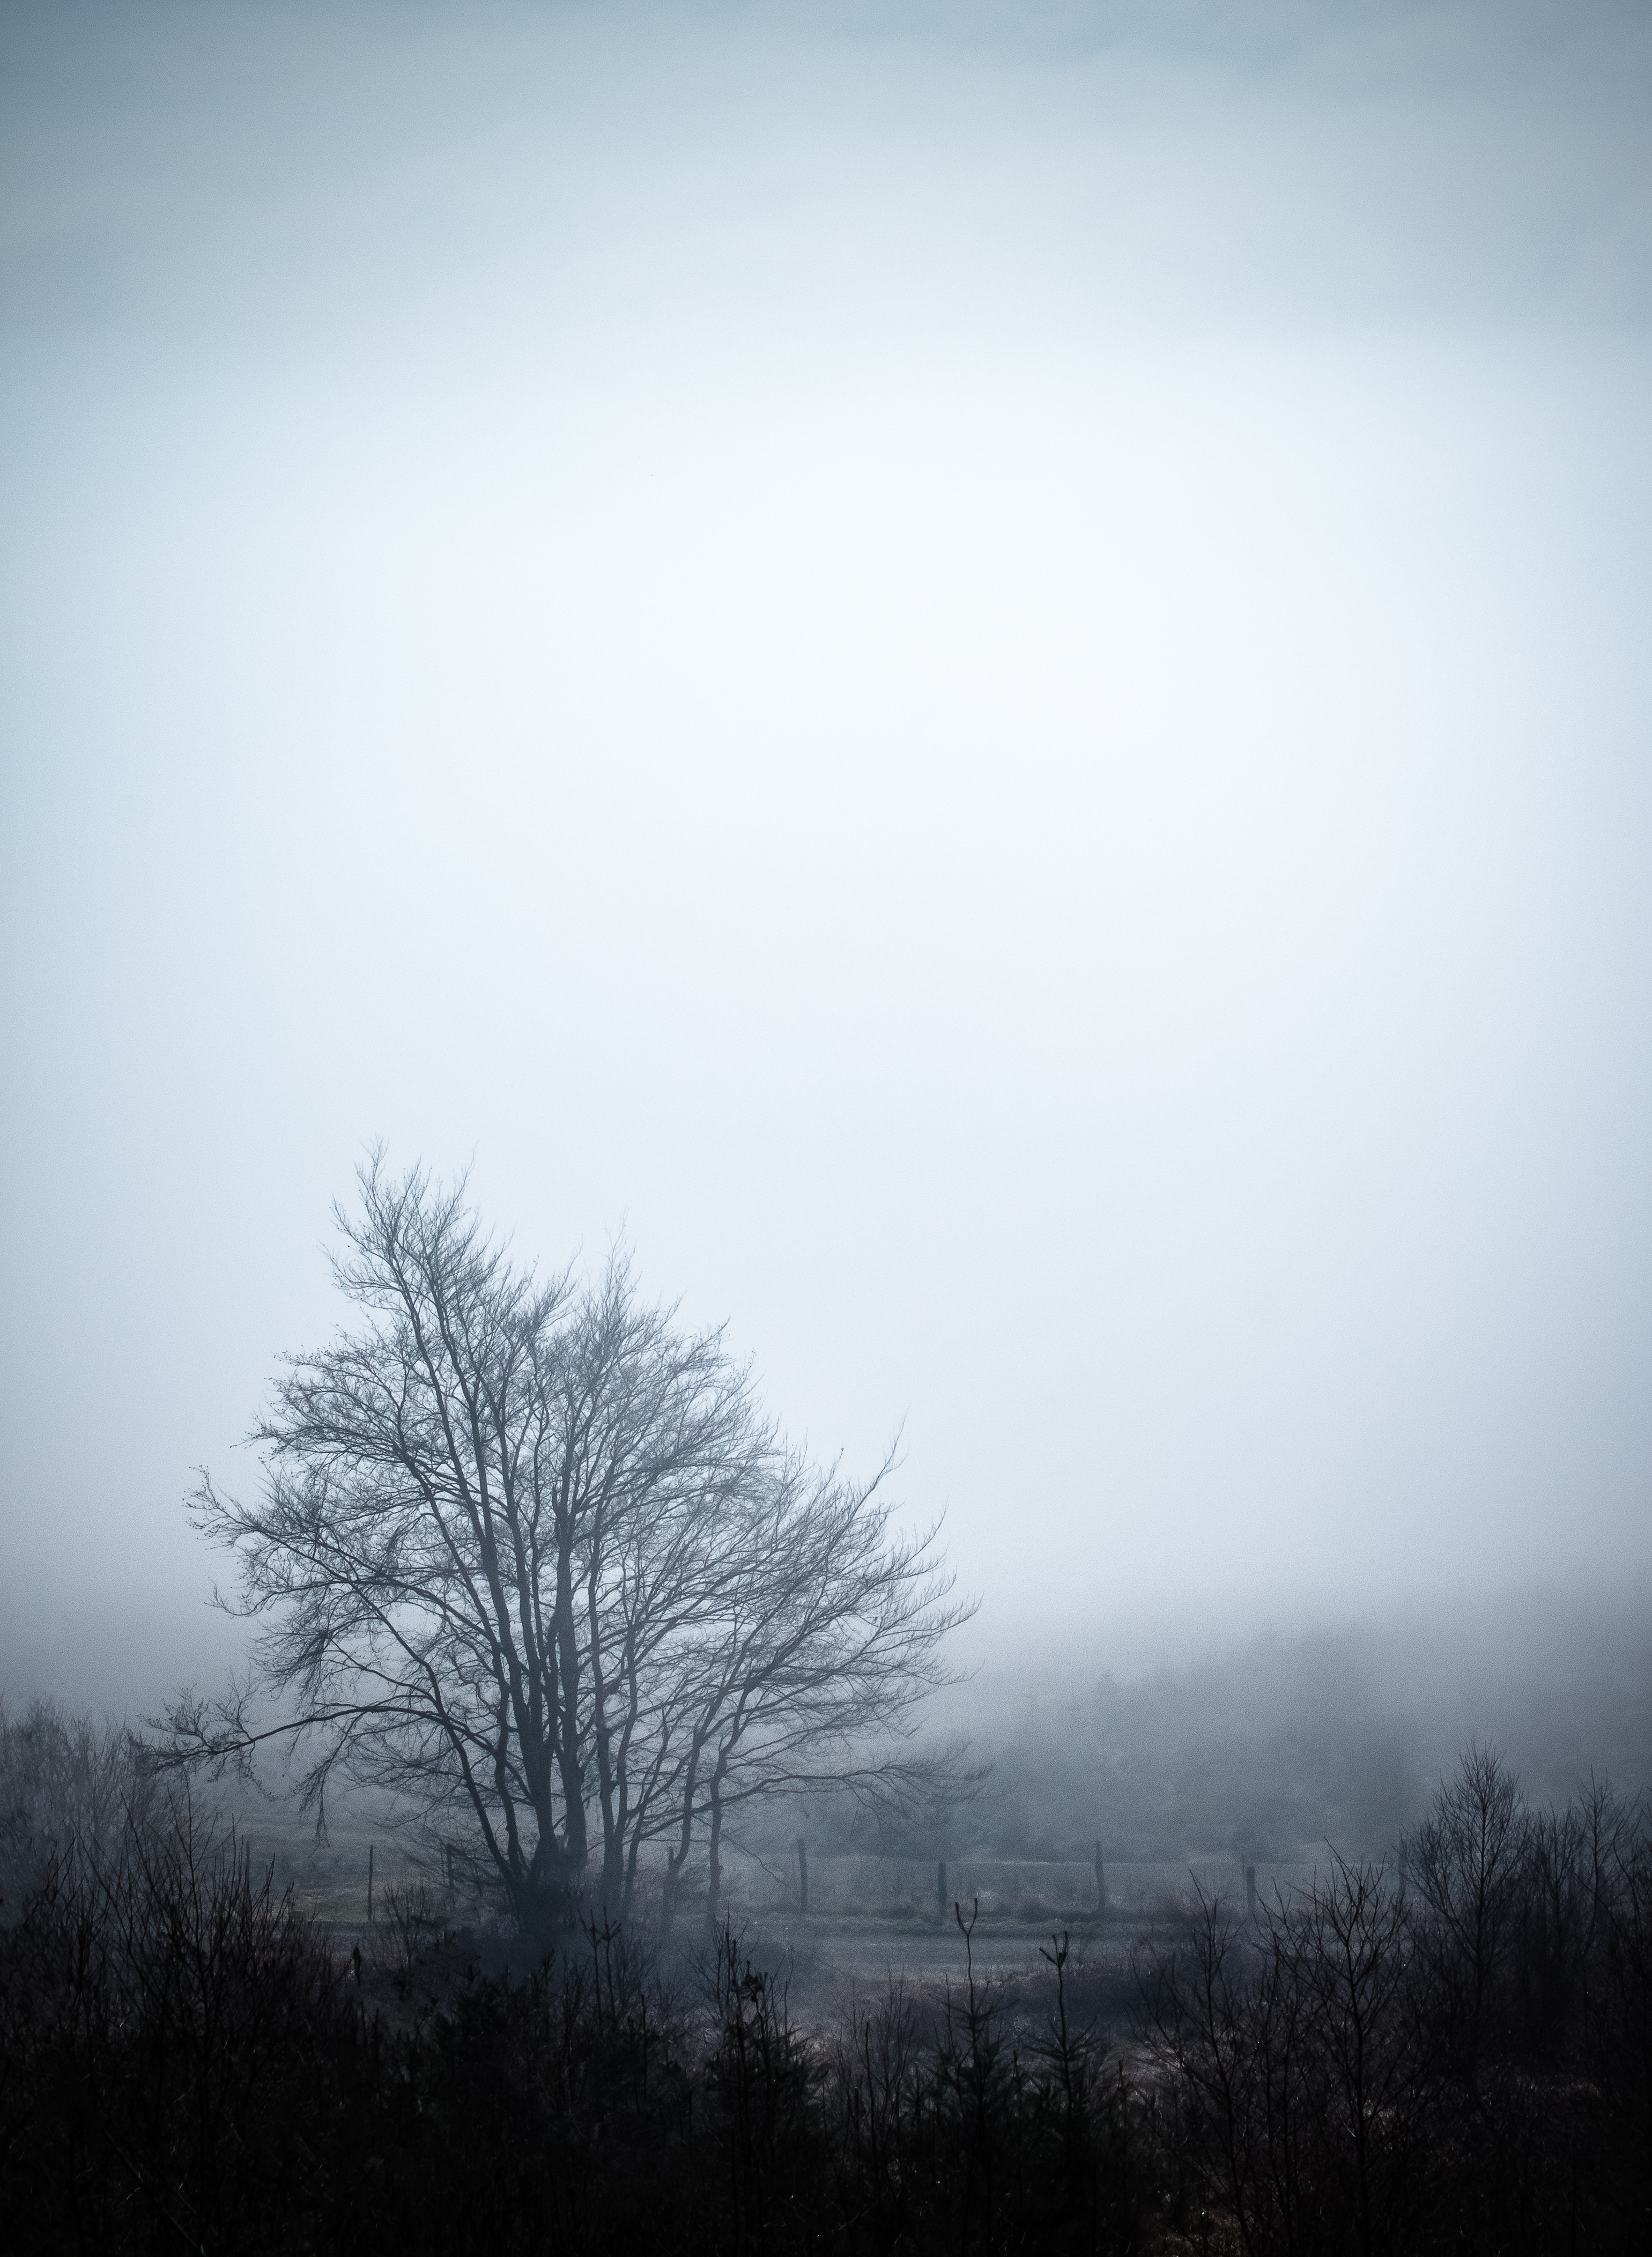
point(714, 1885)
point(677, 1859)
point(566, 1646)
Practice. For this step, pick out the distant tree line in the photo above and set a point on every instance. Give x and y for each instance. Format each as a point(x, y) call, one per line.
point(1466, 2067)
point(1337, 1734)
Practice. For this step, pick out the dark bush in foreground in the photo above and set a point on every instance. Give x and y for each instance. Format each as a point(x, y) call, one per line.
point(188, 2064)
point(1463, 2064)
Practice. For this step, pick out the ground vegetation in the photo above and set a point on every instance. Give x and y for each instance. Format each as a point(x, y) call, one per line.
point(1452, 2054)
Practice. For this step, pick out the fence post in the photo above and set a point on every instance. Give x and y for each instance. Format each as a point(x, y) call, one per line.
point(1101, 1883)
point(802, 1874)
point(1250, 1893)
point(370, 1881)
point(940, 1885)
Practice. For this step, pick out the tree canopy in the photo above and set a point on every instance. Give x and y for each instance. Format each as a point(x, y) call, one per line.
point(533, 1555)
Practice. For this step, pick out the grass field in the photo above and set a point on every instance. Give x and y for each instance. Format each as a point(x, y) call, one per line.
point(870, 1919)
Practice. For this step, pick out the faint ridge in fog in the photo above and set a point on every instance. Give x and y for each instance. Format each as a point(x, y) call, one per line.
point(1284, 1738)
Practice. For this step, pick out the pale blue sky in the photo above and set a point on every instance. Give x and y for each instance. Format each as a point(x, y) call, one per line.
point(985, 672)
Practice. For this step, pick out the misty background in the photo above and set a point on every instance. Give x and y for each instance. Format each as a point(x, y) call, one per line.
point(980, 673)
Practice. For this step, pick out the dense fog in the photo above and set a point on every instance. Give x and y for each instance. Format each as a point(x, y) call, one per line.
point(824, 849)
point(976, 675)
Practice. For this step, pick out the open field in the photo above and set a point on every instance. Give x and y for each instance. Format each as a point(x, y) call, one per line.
point(870, 1919)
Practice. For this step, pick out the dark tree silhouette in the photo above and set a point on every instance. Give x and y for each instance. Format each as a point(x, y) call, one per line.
point(533, 1556)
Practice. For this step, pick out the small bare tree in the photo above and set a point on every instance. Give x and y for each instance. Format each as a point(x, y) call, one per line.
point(1467, 1862)
point(1301, 2066)
point(532, 1557)
point(68, 1787)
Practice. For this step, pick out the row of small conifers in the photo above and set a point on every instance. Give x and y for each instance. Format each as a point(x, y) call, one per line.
point(186, 2063)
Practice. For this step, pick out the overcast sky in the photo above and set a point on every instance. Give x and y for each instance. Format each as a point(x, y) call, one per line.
point(982, 672)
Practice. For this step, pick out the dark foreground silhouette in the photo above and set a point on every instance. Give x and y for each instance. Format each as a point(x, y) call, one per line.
point(1459, 2061)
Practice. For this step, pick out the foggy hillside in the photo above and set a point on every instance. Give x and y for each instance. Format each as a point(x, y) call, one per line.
point(1297, 1739)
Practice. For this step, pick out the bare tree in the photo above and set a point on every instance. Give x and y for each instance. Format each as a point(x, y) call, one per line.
point(67, 1786)
point(533, 1557)
point(1468, 1861)
point(824, 1638)
point(1302, 2069)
